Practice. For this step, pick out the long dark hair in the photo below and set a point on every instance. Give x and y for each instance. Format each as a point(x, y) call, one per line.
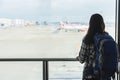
point(96, 25)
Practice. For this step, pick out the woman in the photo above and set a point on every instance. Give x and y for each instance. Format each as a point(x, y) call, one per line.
point(87, 51)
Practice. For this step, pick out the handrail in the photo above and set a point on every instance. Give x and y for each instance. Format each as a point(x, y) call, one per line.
point(38, 59)
point(44, 60)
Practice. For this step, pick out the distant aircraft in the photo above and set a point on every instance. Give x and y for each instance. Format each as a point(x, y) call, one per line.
point(73, 27)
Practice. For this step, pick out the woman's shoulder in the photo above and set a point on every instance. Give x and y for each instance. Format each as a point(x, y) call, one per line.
point(87, 44)
point(88, 39)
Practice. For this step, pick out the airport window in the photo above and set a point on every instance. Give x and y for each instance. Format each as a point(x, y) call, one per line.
point(47, 29)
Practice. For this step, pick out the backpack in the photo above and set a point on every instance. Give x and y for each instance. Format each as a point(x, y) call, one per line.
point(105, 56)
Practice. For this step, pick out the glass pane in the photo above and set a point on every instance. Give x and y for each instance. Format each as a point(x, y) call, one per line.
point(49, 28)
point(21, 71)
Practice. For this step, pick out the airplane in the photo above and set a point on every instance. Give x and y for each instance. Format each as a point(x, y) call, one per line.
point(73, 27)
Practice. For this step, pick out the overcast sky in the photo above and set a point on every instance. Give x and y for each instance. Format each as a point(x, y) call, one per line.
point(79, 10)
